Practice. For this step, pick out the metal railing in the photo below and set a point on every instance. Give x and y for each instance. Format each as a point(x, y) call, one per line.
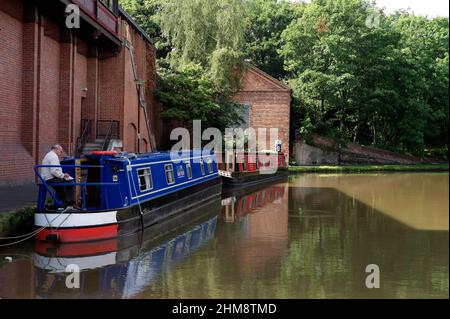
point(107, 130)
point(44, 187)
point(86, 128)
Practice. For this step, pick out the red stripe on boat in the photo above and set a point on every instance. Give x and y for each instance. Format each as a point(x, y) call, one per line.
point(80, 234)
point(76, 249)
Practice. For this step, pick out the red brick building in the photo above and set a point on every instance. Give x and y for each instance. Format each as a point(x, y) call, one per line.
point(71, 86)
point(269, 104)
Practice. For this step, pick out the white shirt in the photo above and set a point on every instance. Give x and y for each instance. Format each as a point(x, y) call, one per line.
point(51, 172)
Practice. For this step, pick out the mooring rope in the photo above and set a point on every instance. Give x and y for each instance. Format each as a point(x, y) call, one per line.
point(28, 235)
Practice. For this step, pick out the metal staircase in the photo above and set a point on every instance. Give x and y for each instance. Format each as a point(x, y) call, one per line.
point(106, 131)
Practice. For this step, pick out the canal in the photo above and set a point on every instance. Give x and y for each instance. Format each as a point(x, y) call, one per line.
point(309, 237)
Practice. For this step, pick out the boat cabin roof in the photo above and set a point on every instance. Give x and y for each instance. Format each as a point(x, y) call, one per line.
point(150, 157)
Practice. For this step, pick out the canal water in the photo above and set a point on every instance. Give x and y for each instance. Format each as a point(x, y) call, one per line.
point(309, 237)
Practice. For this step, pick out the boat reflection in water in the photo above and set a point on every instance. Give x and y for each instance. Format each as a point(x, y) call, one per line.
point(255, 234)
point(124, 267)
point(236, 205)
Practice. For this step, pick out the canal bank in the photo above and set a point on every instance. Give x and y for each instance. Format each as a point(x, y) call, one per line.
point(17, 220)
point(16, 207)
point(368, 168)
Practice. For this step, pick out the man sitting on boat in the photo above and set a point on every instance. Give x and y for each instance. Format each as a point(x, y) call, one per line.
point(55, 175)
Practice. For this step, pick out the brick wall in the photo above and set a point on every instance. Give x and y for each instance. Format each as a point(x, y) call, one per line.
point(269, 102)
point(144, 56)
point(49, 115)
point(11, 61)
point(44, 72)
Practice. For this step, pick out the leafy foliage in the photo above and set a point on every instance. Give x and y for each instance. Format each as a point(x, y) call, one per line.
point(356, 73)
point(188, 94)
point(369, 84)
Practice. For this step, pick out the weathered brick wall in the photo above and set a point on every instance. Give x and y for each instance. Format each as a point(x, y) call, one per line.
point(49, 97)
point(270, 102)
point(14, 155)
point(144, 56)
point(46, 72)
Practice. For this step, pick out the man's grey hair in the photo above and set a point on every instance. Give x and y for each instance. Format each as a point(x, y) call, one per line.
point(55, 147)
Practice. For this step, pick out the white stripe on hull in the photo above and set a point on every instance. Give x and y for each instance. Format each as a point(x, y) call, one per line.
point(67, 220)
point(59, 264)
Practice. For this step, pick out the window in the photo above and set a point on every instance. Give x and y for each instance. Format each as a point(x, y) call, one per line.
point(210, 166)
point(189, 170)
point(145, 179)
point(170, 178)
point(202, 166)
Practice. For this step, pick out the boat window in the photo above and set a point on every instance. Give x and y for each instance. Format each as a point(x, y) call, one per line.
point(202, 166)
point(189, 170)
point(210, 166)
point(170, 178)
point(145, 179)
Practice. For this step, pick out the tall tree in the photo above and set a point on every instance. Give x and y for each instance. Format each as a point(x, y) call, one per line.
point(364, 76)
point(145, 14)
point(209, 33)
point(267, 21)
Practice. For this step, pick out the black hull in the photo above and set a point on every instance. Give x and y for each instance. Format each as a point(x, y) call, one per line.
point(253, 179)
point(157, 210)
point(130, 245)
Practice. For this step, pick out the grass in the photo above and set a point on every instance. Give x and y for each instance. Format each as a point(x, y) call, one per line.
point(369, 168)
point(11, 221)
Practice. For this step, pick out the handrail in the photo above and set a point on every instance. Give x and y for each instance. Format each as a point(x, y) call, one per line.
point(84, 135)
point(46, 185)
point(107, 137)
point(71, 166)
point(112, 131)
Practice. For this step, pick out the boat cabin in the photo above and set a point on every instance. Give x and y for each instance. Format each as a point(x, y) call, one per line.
point(252, 161)
point(110, 180)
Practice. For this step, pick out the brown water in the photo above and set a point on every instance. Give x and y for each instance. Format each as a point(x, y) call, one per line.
point(311, 237)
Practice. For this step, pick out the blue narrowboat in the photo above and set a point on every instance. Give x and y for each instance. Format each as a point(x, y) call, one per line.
point(121, 193)
point(125, 266)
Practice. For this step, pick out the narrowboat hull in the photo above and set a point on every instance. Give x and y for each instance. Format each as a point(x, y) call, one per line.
point(127, 265)
point(83, 226)
point(245, 179)
point(152, 236)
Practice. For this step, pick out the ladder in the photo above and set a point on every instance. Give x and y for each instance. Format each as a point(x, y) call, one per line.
point(141, 100)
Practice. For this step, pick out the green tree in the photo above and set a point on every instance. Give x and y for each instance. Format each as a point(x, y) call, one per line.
point(187, 94)
point(425, 55)
point(368, 80)
point(267, 21)
point(209, 33)
point(145, 14)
